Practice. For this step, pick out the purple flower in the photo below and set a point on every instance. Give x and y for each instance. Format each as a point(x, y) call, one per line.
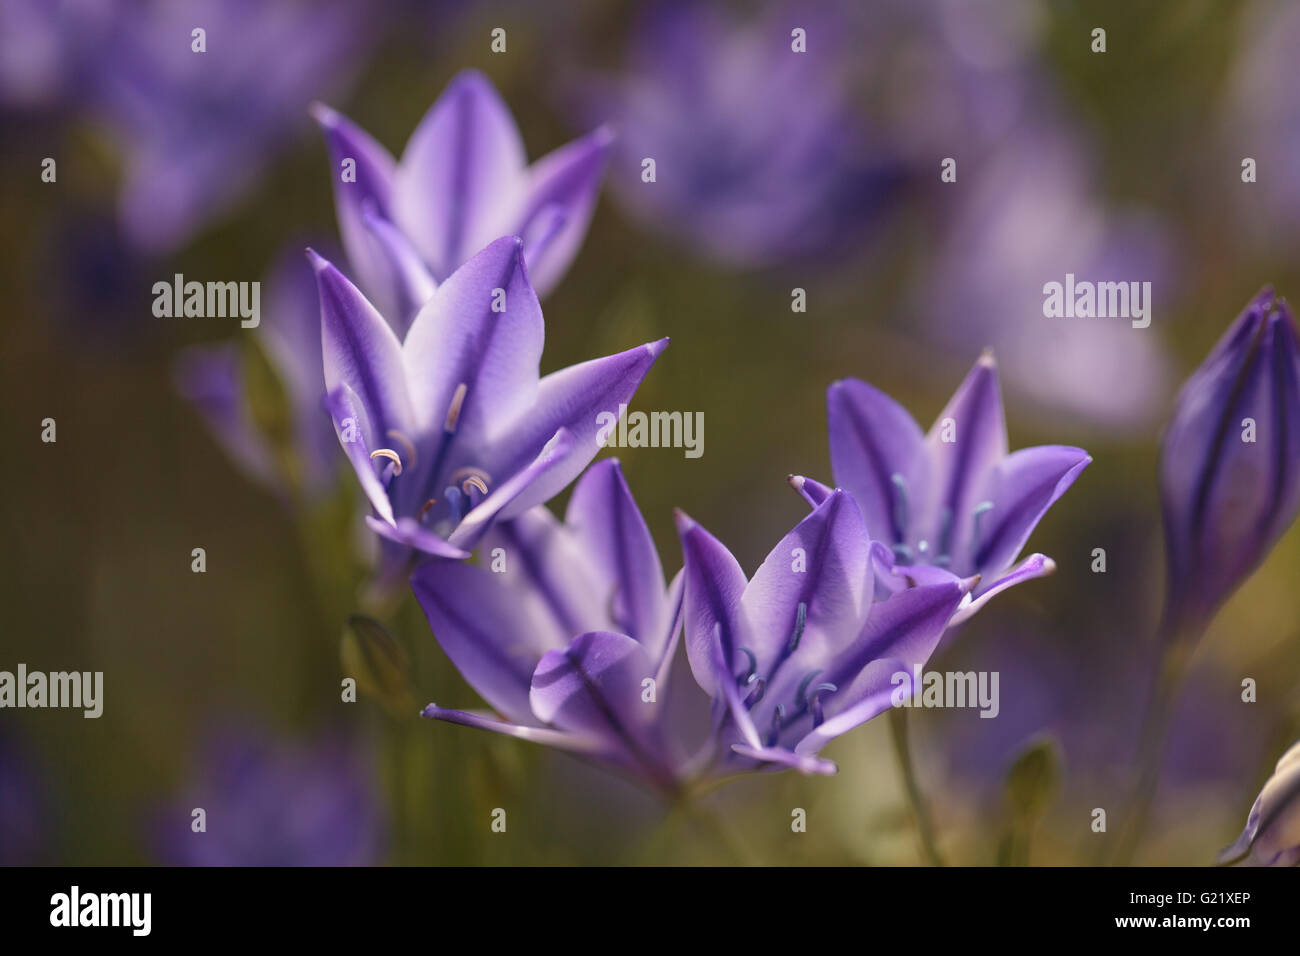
point(1272, 834)
point(213, 377)
point(274, 804)
point(463, 181)
point(1031, 214)
point(46, 49)
point(1230, 464)
point(758, 155)
point(561, 636)
point(451, 427)
point(803, 652)
point(570, 636)
point(197, 127)
point(952, 501)
point(1261, 120)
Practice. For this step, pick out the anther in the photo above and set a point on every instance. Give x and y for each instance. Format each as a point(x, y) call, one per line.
point(900, 504)
point(424, 510)
point(815, 702)
point(391, 456)
point(751, 673)
point(800, 619)
point(774, 733)
point(803, 687)
point(453, 410)
point(980, 510)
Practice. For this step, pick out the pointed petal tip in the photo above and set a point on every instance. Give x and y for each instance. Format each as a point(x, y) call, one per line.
point(430, 710)
point(657, 347)
point(318, 262)
point(602, 137)
point(969, 584)
point(326, 117)
point(684, 522)
point(987, 358)
point(1049, 566)
point(795, 481)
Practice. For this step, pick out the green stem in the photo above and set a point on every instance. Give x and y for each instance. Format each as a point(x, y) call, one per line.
point(920, 813)
point(710, 823)
point(1178, 647)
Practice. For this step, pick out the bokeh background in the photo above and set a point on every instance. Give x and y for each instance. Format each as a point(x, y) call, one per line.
point(820, 172)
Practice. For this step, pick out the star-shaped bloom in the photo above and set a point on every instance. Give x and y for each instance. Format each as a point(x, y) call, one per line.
point(570, 635)
point(462, 181)
point(451, 428)
point(953, 500)
point(804, 652)
point(1230, 464)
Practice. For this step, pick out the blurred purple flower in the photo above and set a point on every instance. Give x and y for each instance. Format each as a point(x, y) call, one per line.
point(47, 49)
point(198, 127)
point(759, 158)
point(451, 428)
point(274, 804)
point(213, 377)
point(1026, 216)
point(802, 652)
point(463, 181)
point(560, 640)
point(1263, 117)
point(1230, 464)
point(1272, 834)
point(952, 502)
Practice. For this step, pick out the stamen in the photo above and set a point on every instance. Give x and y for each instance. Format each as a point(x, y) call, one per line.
point(405, 443)
point(424, 510)
point(760, 688)
point(752, 673)
point(453, 410)
point(455, 503)
point(900, 504)
point(803, 687)
point(815, 702)
point(800, 619)
point(471, 477)
point(391, 455)
point(774, 732)
point(981, 509)
point(945, 538)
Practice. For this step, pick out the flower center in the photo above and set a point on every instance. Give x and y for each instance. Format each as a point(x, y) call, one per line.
point(941, 553)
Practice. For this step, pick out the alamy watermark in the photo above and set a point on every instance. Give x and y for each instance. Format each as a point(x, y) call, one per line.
point(651, 430)
point(1098, 300)
point(81, 690)
point(956, 689)
point(210, 300)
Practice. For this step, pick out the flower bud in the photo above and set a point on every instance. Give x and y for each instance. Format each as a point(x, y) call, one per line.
point(1230, 467)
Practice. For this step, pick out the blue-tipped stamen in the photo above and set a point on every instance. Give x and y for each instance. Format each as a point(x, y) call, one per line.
point(981, 509)
point(774, 732)
point(815, 701)
point(800, 620)
point(751, 673)
point(803, 686)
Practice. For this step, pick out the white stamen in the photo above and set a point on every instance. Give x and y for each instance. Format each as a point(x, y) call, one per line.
point(453, 410)
point(392, 456)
